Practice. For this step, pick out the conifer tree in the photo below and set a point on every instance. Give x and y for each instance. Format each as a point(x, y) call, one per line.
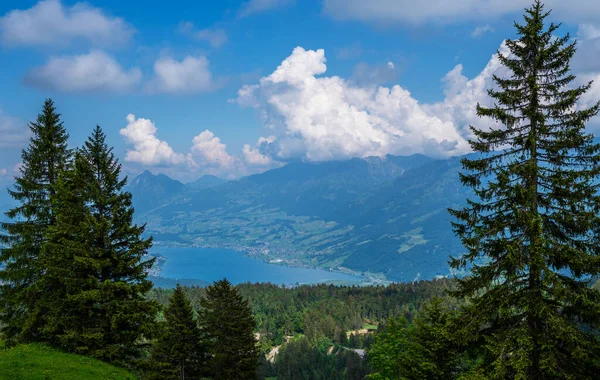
point(386, 353)
point(96, 278)
point(46, 156)
point(532, 233)
point(178, 352)
point(423, 350)
point(227, 327)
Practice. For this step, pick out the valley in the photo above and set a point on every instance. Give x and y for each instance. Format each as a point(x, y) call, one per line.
point(381, 218)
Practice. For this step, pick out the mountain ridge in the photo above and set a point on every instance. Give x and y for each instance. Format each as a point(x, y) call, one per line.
point(378, 215)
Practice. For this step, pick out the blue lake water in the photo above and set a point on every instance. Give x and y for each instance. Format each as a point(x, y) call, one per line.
point(212, 264)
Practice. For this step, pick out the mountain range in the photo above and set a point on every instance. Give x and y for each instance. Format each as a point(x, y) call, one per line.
point(385, 216)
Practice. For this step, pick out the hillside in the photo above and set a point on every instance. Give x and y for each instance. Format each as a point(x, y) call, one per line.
point(37, 361)
point(384, 215)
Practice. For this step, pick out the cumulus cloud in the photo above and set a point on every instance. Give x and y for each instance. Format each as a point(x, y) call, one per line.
point(190, 75)
point(463, 94)
point(315, 117)
point(100, 72)
point(443, 11)
point(216, 37)
point(258, 154)
point(258, 6)
point(49, 22)
point(13, 133)
point(481, 30)
point(318, 118)
point(587, 63)
point(95, 71)
point(148, 149)
point(207, 155)
point(209, 151)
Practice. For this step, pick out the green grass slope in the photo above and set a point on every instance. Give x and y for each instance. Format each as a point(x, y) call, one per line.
point(37, 361)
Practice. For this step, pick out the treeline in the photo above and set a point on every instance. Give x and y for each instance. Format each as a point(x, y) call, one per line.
point(323, 310)
point(313, 324)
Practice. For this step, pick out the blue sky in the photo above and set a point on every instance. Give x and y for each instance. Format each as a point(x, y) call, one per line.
point(238, 87)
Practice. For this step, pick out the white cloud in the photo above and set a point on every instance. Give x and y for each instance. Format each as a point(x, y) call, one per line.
point(443, 11)
point(209, 151)
point(315, 117)
point(3, 172)
point(588, 32)
point(13, 133)
point(587, 57)
point(258, 6)
point(255, 157)
point(216, 37)
point(147, 148)
point(587, 62)
point(99, 72)
point(189, 75)
point(463, 94)
point(91, 72)
point(481, 30)
point(207, 155)
point(319, 118)
point(50, 23)
point(591, 97)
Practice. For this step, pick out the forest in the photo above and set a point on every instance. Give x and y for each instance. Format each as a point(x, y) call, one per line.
point(74, 274)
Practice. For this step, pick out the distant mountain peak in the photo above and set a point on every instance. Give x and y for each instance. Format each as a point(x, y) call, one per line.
point(150, 190)
point(205, 182)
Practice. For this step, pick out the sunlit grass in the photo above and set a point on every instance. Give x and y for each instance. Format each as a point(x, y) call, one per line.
point(38, 361)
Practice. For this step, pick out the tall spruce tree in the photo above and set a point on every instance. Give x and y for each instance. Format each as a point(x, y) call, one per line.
point(535, 221)
point(227, 327)
point(46, 156)
point(178, 351)
point(96, 276)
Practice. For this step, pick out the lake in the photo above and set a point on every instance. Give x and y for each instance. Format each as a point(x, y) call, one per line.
point(212, 264)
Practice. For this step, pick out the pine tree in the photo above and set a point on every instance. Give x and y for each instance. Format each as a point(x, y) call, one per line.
point(96, 279)
point(227, 326)
point(46, 156)
point(178, 352)
point(423, 350)
point(532, 234)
